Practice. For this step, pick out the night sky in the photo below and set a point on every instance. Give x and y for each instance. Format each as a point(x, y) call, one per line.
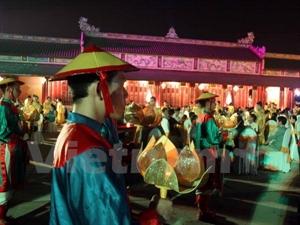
point(275, 23)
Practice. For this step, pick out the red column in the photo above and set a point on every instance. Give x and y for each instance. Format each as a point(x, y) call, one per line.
point(281, 98)
point(223, 96)
point(157, 92)
point(192, 93)
point(290, 102)
point(254, 95)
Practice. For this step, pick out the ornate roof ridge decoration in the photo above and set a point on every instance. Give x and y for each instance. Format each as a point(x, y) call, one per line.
point(38, 38)
point(162, 39)
point(281, 72)
point(91, 31)
point(85, 26)
point(260, 52)
point(172, 33)
point(247, 41)
point(282, 56)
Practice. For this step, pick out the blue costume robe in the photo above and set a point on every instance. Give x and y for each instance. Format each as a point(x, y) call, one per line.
point(85, 189)
point(109, 131)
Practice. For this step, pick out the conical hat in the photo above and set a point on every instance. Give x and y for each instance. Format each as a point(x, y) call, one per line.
point(10, 80)
point(206, 95)
point(93, 60)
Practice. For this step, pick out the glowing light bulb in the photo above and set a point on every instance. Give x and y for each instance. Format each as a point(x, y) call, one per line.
point(235, 88)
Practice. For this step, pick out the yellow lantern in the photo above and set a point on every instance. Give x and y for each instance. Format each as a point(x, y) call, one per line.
point(161, 166)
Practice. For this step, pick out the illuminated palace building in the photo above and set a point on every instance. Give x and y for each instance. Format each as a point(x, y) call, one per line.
point(171, 68)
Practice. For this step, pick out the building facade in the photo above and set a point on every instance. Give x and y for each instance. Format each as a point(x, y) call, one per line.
point(172, 69)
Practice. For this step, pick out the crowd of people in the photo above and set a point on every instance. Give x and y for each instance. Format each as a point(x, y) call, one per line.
point(205, 122)
point(86, 186)
point(38, 118)
point(179, 123)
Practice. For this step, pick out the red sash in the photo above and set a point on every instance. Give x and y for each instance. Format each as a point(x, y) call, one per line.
point(13, 109)
point(84, 138)
point(14, 142)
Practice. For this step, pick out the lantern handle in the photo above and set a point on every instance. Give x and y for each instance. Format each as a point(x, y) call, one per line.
point(163, 191)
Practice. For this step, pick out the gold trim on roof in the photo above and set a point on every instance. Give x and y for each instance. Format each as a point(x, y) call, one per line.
point(282, 56)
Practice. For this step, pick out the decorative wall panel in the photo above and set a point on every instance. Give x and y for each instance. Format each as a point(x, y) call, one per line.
point(60, 60)
point(272, 72)
point(291, 73)
point(212, 65)
point(10, 58)
point(37, 59)
point(147, 61)
point(177, 63)
point(243, 67)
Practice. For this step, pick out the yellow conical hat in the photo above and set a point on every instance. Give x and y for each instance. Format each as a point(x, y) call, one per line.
point(10, 80)
point(93, 60)
point(206, 95)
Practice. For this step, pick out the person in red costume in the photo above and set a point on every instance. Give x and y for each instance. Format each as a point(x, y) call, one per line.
point(87, 182)
point(13, 150)
point(208, 139)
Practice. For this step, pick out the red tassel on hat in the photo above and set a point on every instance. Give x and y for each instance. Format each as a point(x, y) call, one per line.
point(106, 96)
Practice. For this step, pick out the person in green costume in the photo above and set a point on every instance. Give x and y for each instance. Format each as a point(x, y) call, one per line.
point(13, 150)
point(207, 140)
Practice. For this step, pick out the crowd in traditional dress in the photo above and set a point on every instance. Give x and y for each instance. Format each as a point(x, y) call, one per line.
point(179, 123)
point(38, 118)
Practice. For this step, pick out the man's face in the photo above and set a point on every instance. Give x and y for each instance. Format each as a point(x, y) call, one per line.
point(166, 114)
point(194, 122)
point(278, 123)
point(118, 94)
point(258, 107)
point(152, 102)
point(250, 119)
point(292, 120)
point(212, 105)
point(16, 90)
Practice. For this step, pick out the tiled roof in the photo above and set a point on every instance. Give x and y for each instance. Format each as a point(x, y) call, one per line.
point(29, 69)
point(38, 49)
point(284, 64)
point(216, 78)
point(172, 49)
point(42, 47)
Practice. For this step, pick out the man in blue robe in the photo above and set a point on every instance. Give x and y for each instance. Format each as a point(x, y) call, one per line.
point(87, 182)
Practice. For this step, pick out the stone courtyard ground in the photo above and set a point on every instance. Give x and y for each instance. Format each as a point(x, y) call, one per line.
point(266, 198)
